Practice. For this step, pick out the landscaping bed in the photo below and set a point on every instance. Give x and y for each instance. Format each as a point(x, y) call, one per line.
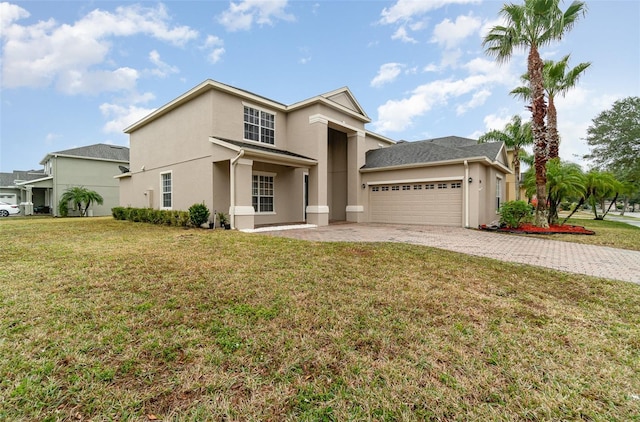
point(527, 228)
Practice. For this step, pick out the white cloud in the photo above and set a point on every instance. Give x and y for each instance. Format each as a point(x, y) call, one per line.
point(162, 69)
point(402, 35)
point(451, 34)
point(73, 82)
point(215, 45)
point(478, 99)
point(407, 10)
point(398, 115)
point(242, 15)
point(10, 13)
point(122, 116)
point(70, 55)
point(387, 73)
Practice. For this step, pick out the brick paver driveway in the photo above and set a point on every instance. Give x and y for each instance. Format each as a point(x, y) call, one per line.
point(598, 261)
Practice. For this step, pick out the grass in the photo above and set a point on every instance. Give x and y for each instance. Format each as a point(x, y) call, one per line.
point(111, 320)
point(608, 233)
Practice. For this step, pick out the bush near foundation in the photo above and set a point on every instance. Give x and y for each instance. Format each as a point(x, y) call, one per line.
point(149, 215)
point(512, 213)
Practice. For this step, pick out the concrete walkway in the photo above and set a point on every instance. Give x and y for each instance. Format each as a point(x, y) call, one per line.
point(598, 261)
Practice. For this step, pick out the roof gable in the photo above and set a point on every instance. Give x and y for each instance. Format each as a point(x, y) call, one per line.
point(341, 99)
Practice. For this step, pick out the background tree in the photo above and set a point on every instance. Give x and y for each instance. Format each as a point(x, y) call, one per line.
point(82, 198)
point(515, 136)
point(532, 25)
point(614, 138)
point(565, 180)
point(557, 81)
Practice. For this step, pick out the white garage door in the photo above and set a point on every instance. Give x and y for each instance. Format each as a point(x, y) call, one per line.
point(436, 203)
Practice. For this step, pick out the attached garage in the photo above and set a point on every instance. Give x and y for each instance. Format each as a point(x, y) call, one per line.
point(433, 202)
point(448, 181)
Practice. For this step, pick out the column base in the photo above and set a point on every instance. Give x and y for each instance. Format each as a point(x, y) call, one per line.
point(318, 215)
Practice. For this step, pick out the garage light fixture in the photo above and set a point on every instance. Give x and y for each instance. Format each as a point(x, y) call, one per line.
point(470, 180)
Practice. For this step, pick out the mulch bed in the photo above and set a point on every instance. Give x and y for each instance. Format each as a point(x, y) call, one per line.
point(526, 228)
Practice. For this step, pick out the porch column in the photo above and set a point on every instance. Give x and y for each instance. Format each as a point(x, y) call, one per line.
point(318, 208)
point(28, 204)
point(355, 192)
point(241, 208)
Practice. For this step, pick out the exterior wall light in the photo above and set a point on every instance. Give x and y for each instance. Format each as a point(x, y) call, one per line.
point(470, 180)
point(364, 185)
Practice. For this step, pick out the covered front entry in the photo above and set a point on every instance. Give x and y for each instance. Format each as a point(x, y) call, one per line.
point(434, 203)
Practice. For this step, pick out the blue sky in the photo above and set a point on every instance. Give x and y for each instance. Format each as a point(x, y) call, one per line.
point(76, 73)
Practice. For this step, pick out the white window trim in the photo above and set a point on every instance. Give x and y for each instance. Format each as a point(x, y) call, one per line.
point(265, 110)
point(162, 207)
point(264, 173)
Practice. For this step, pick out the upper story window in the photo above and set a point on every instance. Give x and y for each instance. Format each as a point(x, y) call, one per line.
point(259, 126)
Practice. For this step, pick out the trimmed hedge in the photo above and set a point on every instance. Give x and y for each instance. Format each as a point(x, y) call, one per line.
point(149, 215)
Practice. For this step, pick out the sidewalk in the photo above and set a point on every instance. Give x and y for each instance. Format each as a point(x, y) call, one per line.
point(597, 261)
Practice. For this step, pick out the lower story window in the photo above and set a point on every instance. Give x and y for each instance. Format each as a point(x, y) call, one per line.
point(167, 190)
point(262, 193)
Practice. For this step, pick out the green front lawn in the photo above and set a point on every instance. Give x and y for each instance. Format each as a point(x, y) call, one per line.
point(111, 320)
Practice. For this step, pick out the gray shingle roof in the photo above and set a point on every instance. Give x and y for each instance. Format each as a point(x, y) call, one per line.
point(431, 151)
point(98, 151)
point(8, 179)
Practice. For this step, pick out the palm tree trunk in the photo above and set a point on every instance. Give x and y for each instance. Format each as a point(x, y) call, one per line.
point(615, 198)
point(539, 111)
point(516, 170)
point(552, 128)
point(574, 210)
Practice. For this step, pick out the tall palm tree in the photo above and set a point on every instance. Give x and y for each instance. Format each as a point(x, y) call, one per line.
point(533, 25)
point(557, 81)
point(515, 136)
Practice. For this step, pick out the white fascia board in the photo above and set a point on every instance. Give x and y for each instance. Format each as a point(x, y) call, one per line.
point(381, 138)
point(332, 104)
point(28, 182)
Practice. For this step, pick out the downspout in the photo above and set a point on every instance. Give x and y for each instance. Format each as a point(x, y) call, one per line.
point(466, 194)
point(232, 199)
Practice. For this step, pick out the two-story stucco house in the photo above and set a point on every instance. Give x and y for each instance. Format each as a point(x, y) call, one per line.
point(264, 162)
point(91, 166)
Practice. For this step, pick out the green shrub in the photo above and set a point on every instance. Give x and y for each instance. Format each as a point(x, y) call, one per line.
point(198, 214)
point(513, 212)
point(63, 209)
point(150, 215)
point(118, 213)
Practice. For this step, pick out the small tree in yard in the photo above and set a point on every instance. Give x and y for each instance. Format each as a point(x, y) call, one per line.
point(198, 214)
point(81, 197)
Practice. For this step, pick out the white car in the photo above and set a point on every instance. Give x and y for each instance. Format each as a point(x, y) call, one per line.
point(8, 209)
